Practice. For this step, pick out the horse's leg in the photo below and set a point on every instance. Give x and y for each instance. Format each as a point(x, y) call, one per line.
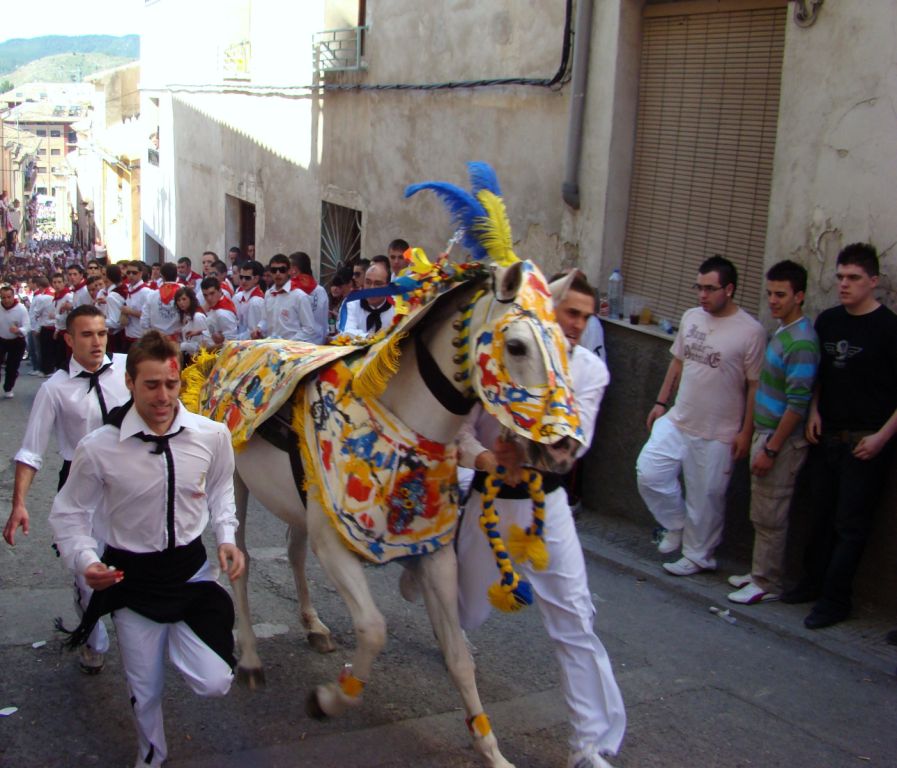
point(347, 574)
point(438, 578)
point(318, 634)
point(249, 667)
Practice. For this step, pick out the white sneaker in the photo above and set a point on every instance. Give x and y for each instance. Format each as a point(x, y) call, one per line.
point(750, 594)
point(669, 542)
point(739, 581)
point(684, 567)
point(8, 395)
point(587, 758)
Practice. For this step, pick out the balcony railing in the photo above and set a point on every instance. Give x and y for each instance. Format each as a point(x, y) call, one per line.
point(338, 50)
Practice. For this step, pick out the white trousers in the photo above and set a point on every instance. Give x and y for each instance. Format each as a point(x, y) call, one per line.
point(142, 644)
point(594, 704)
point(706, 466)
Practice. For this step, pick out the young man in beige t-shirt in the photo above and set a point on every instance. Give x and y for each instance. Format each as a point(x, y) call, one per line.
point(717, 357)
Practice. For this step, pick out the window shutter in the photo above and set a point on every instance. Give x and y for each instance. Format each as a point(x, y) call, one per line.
point(705, 138)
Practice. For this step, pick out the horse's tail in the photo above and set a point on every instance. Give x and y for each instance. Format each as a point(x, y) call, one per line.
point(194, 376)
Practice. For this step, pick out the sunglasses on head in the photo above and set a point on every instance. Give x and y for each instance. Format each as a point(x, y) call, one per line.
point(275, 270)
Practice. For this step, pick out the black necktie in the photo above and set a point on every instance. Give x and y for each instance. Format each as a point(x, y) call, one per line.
point(95, 382)
point(162, 447)
point(374, 321)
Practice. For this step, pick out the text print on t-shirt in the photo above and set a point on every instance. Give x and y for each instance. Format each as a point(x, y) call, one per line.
point(841, 351)
point(697, 350)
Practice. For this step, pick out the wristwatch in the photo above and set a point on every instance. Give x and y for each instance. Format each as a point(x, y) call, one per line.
point(770, 453)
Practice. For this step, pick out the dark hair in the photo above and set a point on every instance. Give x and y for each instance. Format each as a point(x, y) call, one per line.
point(728, 275)
point(398, 245)
point(151, 346)
point(156, 264)
point(791, 272)
point(169, 272)
point(210, 253)
point(862, 255)
point(279, 258)
point(57, 274)
point(93, 279)
point(220, 267)
point(210, 282)
point(235, 249)
point(113, 273)
point(41, 282)
point(85, 310)
point(95, 262)
point(185, 260)
point(579, 284)
point(384, 260)
point(73, 265)
point(302, 261)
point(361, 262)
point(194, 302)
point(256, 266)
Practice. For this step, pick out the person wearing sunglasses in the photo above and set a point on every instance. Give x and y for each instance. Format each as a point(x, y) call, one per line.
point(249, 300)
point(703, 420)
point(288, 312)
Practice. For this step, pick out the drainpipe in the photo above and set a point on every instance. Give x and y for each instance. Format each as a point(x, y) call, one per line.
point(580, 81)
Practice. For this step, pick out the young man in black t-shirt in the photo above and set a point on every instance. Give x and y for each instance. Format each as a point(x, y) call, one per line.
point(852, 420)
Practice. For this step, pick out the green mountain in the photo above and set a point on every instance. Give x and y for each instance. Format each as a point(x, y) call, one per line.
point(20, 51)
point(63, 68)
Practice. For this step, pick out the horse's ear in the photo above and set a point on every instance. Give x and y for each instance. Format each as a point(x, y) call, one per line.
point(560, 287)
point(507, 281)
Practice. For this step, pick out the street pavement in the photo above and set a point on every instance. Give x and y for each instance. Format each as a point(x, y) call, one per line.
point(751, 689)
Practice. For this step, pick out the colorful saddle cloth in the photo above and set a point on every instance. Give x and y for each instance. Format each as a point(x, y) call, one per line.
point(251, 380)
point(388, 491)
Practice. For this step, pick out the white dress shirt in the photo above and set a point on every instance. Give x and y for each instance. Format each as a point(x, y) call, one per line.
point(250, 313)
point(41, 311)
point(289, 315)
point(117, 485)
point(159, 315)
point(589, 376)
point(222, 319)
point(320, 308)
point(59, 316)
point(191, 344)
point(15, 315)
point(357, 319)
point(64, 406)
point(138, 295)
point(112, 309)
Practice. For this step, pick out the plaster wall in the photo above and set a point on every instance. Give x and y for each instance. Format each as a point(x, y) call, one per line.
point(836, 158)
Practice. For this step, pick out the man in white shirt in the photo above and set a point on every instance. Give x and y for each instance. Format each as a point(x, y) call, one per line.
point(159, 310)
point(186, 275)
point(132, 311)
point(301, 278)
point(78, 285)
point(40, 316)
point(69, 405)
point(396, 255)
point(368, 316)
point(250, 302)
point(288, 312)
point(717, 357)
point(594, 704)
point(114, 300)
point(14, 325)
point(153, 575)
point(221, 314)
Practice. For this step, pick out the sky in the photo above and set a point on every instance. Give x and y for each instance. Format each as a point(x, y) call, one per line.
point(65, 17)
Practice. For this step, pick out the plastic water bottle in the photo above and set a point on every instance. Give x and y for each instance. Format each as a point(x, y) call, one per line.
point(615, 294)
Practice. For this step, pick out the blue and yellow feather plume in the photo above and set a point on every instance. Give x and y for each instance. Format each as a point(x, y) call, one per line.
point(463, 207)
point(494, 230)
point(482, 176)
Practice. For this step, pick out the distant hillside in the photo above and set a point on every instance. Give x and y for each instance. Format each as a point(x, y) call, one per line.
point(63, 68)
point(19, 51)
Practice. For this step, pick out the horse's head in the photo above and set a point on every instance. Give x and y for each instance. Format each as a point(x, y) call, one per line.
point(520, 369)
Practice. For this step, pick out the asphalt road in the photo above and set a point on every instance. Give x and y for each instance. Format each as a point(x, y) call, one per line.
point(699, 690)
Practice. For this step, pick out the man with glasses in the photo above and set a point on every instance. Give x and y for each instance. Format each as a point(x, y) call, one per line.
point(132, 311)
point(371, 315)
point(250, 303)
point(358, 271)
point(717, 357)
point(287, 312)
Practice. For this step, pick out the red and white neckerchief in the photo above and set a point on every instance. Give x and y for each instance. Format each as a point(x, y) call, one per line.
point(139, 286)
point(256, 291)
point(224, 303)
point(306, 282)
point(167, 292)
point(82, 284)
point(57, 295)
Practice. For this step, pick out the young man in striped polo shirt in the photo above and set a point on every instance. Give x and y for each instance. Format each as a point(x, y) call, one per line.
point(779, 446)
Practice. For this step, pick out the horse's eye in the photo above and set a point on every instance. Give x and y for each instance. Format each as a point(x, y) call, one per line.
point(516, 347)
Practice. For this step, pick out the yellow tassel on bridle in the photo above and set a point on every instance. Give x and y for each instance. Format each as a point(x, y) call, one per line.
point(510, 592)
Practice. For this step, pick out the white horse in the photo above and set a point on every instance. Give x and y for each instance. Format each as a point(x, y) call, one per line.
point(424, 399)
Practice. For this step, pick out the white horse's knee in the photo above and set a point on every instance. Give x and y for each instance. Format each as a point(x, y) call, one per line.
point(371, 633)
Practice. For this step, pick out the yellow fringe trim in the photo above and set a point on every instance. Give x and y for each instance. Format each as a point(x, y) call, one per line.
point(503, 598)
point(376, 373)
point(194, 377)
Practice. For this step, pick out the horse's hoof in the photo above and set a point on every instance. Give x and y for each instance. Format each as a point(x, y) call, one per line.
point(252, 679)
point(313, 707)
point(321, 643)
